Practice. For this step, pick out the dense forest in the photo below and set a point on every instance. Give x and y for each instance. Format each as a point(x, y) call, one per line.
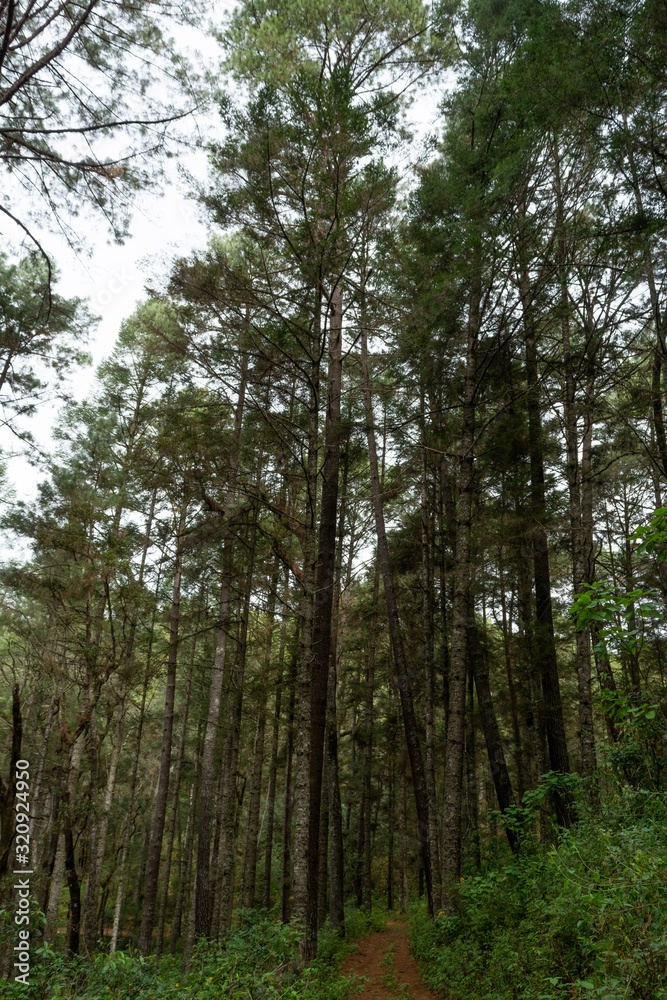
point(343, 592)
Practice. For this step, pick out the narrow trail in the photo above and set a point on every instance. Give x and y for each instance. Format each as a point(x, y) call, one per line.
point(390, 970)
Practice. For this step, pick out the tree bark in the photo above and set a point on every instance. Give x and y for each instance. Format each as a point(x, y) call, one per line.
point(429, 672)
point(472, 806)
point(494, 746)
point(368, 745)
point(8, 791)
point(203, 911)
point(323, 604)
point(230, 805)
point(176, 783)
point(97, 859)
point(402, 673)
point(248, 879)
point(545, 644)
point(273, 766)
point(451, 826)
point(160, 810)
point(579, 557)
point(286, 842)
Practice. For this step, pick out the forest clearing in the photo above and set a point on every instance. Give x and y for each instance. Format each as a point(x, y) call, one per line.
point(333, 600)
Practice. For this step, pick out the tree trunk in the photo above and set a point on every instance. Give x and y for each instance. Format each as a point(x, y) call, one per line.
point(301, 779)
point(129, 651)
point(288, 792)
point(368, 745)
point(160, 811)
point(545, 644)
point(323, 871)
point(230, 805)
point(273, 767)
point(248, 879)
point(522, 777)
point(402, 836)
point(391, 808)
point(336, 852)
point(579, 576)
point(336, 858)
point(8, 791)
point(402, 673)
point(186, 861)
point(204, 903)
point(429, 673)
point(323, 604)
point(494, 746)
point(97, 859)
point(176, 781)
point(472, 808)
point(451, 826)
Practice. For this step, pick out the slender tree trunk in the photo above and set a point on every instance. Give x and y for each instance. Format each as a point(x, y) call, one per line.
point(8, 791)
point(71, 760)
point(89, 909)
point(159, 813)
point(273, 767)
point(323, 604)
point(522, 778)
point(391, 809)
point(50, 851)
point(472, 807)
point(402, 836)
point(579, 575)
point(248, 879)
point(55, 888)
point(230, 804)
point(359, 854)
point(97, 859)
point(323, 871)
point(336, 859)
point(176, 783)
point(286, 844)
point(451, 835)
point(128, 656)
point(302, 763)
point(402, 673)
point(429, 670)
point(368, 745)
point(545, 645)
point(184, 866)
point(204, 902)
point(336, 855)
point(528, 681)
point(189, 894)
point(494, 746)
point(660, 350)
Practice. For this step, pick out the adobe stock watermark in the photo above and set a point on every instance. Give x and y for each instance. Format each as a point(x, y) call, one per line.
point(22, 867)
point(115, 285)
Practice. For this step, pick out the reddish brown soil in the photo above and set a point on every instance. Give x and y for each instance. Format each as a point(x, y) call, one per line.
point(367, 961)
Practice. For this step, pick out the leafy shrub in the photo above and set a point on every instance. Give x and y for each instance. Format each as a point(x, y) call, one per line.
point(588, 918)
point(256, 962)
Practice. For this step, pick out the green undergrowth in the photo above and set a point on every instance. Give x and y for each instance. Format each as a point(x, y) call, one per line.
point(257, 962)
point(586, 918)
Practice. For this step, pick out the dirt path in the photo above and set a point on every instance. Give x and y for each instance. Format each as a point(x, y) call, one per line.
point(390, 970)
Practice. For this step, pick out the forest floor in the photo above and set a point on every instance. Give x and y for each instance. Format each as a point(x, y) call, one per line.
point(390, 971)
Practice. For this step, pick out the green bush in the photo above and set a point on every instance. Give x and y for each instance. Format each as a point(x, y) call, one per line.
point(587, 918)
point(256, 962)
